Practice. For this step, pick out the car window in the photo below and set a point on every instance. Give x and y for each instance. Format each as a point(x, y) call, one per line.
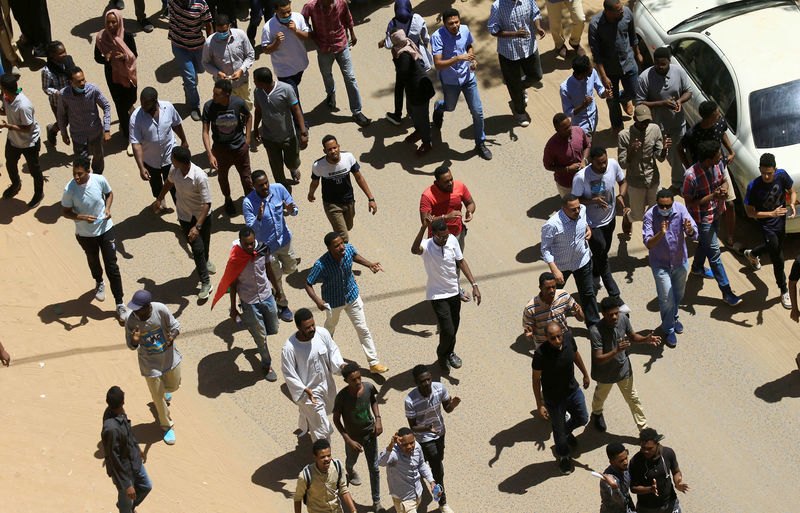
point(710, 74)
point(775, 115)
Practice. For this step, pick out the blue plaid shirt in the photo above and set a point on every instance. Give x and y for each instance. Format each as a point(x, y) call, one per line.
point(564, 241)
point(338, 283)
point(512, 15)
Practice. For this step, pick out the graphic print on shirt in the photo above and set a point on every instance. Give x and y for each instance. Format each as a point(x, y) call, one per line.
point(359, 415)
point(599, 190)
point(226, 122)
point(153, 341)
point(773, 198)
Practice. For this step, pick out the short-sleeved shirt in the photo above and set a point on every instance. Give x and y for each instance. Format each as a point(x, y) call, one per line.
point(654, 86)
point(513, 15)
point(698, 134)
point(643, 472)
point(338, 283)
point(448, 46)
point(438, 203)
point(227, 122)
point(441, 263)
point(187, 21)
point(20, 112)
point(290, 57)
point(192, 192)
point(155, 355)
point(558, 368)
point(276, 112)
point(587, 184)
point(88, 199)
point(155, 135)
point(560, 152)
point(336, 185)
point(357, 411)
point(766, 197)
point(427, 410)
point(538, 315)
point(699, 182)
point(605, 339)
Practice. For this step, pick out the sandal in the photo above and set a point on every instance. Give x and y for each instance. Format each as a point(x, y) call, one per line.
point(296, 176)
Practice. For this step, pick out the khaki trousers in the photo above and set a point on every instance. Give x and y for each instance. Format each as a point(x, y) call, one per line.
point(168, 382)
point(283, 261)
point(409, 506)
point(577, 16)
point(563, 191)
point(602, 390)
point(641, 198)
point(243, 92)
point(341, 218)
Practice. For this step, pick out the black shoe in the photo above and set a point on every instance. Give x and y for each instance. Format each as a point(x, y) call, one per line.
point(444, 365)
point(361, 120)
point(37, 198)
point(455, 361)
point(393, 118)
point(230, 207)
point(330, 101)
point(565, 465)
point(572, 441)
point(40, 52)
point(51, 134)
point(12, 191)
point(438, 118)
point(120, 4)
point(483, 151)
point(599, 422)
point(146, 25)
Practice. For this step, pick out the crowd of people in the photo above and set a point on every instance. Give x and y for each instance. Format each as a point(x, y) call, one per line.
point(593, 189)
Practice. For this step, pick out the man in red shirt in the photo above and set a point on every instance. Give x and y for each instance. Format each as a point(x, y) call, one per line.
point(444, 199)
point(330, 20)
point(565, 153)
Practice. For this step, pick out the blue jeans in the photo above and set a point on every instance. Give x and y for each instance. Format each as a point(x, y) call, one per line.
point(259, 9)
point(191, 63)
point(575, 405)
point(325, 61)
point(261, 319)
point(629, 83)
point(670, 285)
point(141, 485)
point(470, 90)
point(370, 445)
point(708, 247)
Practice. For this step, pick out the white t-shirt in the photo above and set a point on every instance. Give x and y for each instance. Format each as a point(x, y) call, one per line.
point(587, 184)
point(290, 57)
point(440, 264)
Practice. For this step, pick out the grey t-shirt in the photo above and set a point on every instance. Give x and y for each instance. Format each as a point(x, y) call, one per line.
point(155, 356)
point(605, 339)
point(357, 411)
point(20, 112)
point(277, 124)
point(654, 87)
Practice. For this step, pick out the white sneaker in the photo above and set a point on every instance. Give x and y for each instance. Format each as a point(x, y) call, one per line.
point(522, 119)
point(100, 291)
point(445, 508)
point(786, 301)
point(129, 150)
point(754, 261)
point(625, 309)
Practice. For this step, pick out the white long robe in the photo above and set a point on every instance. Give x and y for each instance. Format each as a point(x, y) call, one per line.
point(312, 365)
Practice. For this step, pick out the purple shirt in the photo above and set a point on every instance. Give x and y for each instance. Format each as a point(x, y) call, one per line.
point(670, 252)
point(79, 111)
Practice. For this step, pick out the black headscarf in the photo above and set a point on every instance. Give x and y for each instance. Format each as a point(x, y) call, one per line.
point(61, 68)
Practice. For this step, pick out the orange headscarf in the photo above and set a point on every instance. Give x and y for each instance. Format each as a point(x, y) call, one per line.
point(123, 71)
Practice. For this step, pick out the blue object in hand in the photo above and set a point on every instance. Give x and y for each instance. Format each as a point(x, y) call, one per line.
point(437, 492)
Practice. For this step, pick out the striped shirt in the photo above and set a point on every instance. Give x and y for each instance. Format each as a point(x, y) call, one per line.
point(338, 283)
point(699, 182)
point(538, 315)
point(564, 241)
point(79, 112)
point(513, 15)
point(187, 19)
point(427, 410)
point(52, 83)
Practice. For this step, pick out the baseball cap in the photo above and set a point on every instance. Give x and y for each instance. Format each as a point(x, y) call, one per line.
point(642, 113)
point(140, 299)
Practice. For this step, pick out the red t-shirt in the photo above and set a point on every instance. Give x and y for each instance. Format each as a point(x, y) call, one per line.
point(439, 203)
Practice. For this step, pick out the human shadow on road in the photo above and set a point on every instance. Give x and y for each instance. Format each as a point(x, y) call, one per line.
point(551, 61)
point(225, 330)
point(218, 373)
point(11, 208)
point(167, 71)
point(284, 468)
point(654, 352)
point(417, 314)
point(530, 254)
point(404, 381)
point(532, 429)
point(49, 214)
point(172, 292)
point(752, 300)
point(145, 223)
point(297, 280)
point(625, 262)
point(88, 29)
point(493, 126)
point(522, 346)
point(787, 386)
point(532, 475)
point(321, 115)
point(145, 433)
point(545, 208)
point(81, 307)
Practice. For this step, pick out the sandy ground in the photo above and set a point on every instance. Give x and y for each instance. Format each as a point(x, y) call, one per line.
point(726, 398)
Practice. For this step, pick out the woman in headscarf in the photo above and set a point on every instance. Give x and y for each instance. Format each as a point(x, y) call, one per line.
point(415, 29)
point(414, 81)
point(55, 77)
point(116, 50)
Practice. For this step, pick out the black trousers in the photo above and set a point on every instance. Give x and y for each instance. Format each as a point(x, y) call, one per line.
point(33, 19)
point(434, 455)
point(448, 313)
point(586, 292)
point(600, 244)
point(199, 245)
point(103, 245)
point(31, 154)
point(158, 175)
point(772, 245)
point(530, 67)
point(124, 98)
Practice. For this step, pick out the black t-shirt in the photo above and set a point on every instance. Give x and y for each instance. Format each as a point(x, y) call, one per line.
point(698, 134)
point(643, 472)
point(557, 366)
point(765, 197)
point(227, 123)
point(357, 411)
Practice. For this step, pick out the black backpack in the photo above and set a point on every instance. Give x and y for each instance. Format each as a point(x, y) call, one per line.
point(307, 476)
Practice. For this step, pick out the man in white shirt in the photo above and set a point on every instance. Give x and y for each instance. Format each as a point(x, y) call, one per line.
point(442, 255)
point(23, 139)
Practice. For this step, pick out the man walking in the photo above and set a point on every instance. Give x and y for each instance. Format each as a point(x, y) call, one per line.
point(77, 109)
point(424, 406)
point(650, 471)
point(513, 23)
point(454, 58)
point(340, 292)
point(550, 305)
point(615, 49)
point(55, 77)
point(664, 230)
point(441, 256)
point(309, 360)
point(565, 249)
point(565, 153)
point(228, 119)
point(611, 338)
point(577, 17)
point(556, 391)
point(264, 211)
point(615, 487)
point(151, 331)
point(228, 55)
point(330, 20)
point(321, 487)
point(577, 95)
point(664, 88)
point(249, 275)
point(334, 170)
point(193, 204)
point(123, 458)
point(152, 139)
point(357, 405)
point(704, 191)
point(405, 465)
point(766, 202)
point(23, 139)
point(187, 19)
point(87, 200)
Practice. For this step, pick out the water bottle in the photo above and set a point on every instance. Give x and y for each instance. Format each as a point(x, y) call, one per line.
point(238, 319)
point(437, 492)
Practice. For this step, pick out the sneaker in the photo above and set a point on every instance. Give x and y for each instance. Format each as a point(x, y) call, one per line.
point(677, 327)
point(378, 368)
point(271, 376)
point(122, 314)
point(353, 478)
point(35, 200)
point(525, 97)
point(455, 361)
point(168, 397)
point(146, 25)
point(483, 151)
point(625, 309)
point(12, 190)
point(786, 301)
point(129, 150)
point(393, 118)
point(444, 508)
point(210, 267)
point(100, 291)
point(438, 117)
point(230, 207)
point(599, 422)
point(330, 101)
point(205, 290)
point(285, 314)
point(423, 149)
point(169, 437)
point(671, 340)
point(565, 465)
point(361, 120)
point(522, 119)
point(377, 507)
point(731, 298)
point(412, 138)
point(754, 261)
point(598, 284)
point(52, 140)
point(572, 441)
point(120, 4)
point(706, 272)
point(195, 115)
